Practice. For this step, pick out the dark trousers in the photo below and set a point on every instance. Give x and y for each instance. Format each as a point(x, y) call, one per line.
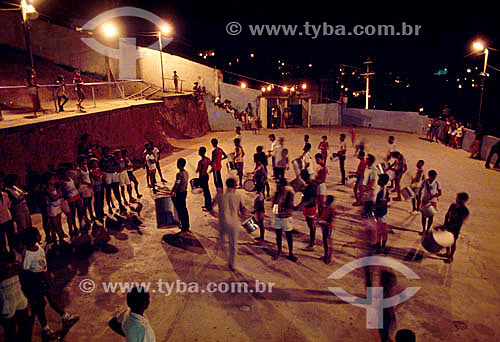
point(180, 205)
point(18, 328)
point(494, 150)
point(342, 168)
point(206, 192)
point(7, 228)
point(218, 180)
point(99, 201)
point(279, 172)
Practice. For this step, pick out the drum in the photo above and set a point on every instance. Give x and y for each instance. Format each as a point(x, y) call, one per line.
point(380, 168)
point(437, 239)
point(297, 166)
point(408, 193)
point(166, 214)
point(298, 185)
point(250, 225)
point(195, 186)
point(249, 185)
point(231, 165)
point(428, 211)
point(297, 198)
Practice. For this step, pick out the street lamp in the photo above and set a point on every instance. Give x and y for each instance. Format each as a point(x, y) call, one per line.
point(29, 13)
point(163, 30)
point(480, 47)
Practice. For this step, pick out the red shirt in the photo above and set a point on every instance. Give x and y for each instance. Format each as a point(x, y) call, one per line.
point(326, 216)
point(217, 159)
point(361, 168)
point(323, 146)
point(203, 165)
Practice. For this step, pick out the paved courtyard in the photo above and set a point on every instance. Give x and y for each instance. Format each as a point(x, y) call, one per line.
point(456, 302)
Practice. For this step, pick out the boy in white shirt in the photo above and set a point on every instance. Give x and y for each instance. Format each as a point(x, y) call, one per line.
point(429, 193)
point(132, 323)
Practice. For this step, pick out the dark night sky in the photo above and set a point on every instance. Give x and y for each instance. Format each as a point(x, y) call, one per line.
point(446, 35)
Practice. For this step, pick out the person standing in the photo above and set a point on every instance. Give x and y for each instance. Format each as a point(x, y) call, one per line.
point(381, 202)
point(202, 171)
point(78, 82)
point(86, 188)
point(132, 323)
point(239, 153)
point(309, 207)
point(260, 179)
point(282, 162)
point(19, 207)
point(179, 194)
point(282, 209)
point(341, 154)
point(151, 168)
point(156, 152)
point(429, 192)
point(307, 160)
point(399, 167)
point(436, 124)
point(360, 172)
point(369, 187)
point(260, 155)
point(325, 221)
point(110, 167)
point(217, 156)
point(61, 93)
point(130, 173)
point(454, 219)
point(97, 177)
point(323, 146)
point(320, 180)
point(495, 149)
point(176, 81)
point(273, 153)
point(416, 182)
point(230, 207)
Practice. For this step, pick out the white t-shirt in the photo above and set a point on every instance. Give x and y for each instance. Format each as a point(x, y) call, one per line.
point(136, 327)
point(151, 161)
point(35, 261)
point(371, 174)
point(429, 189)
point(392, 148)
point(306, 158)
point(229, 206)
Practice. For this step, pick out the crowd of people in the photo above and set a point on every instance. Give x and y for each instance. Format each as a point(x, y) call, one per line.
point(105, 176)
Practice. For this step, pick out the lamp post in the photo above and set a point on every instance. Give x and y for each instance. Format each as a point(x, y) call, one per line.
point(478, 46)
point(164, 29)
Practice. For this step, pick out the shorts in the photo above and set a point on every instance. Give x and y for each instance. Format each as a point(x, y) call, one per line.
point(309, 212)
point(86, 191)
point(12, 298)
point(54, 210)
point(124, 179)
point(284, 223)
point(359, 180)
point(108, 177)
point(239, 168)
point(322, 189)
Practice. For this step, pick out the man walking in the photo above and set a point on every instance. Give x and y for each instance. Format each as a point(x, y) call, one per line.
point(230, 207)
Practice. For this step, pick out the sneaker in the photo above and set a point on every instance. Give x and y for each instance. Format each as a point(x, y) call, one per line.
point(69, 321)
point(49, 335)
point(292, 258)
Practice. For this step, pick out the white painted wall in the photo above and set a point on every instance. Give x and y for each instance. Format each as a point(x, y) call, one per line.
point(393, 120)
point(325, 114)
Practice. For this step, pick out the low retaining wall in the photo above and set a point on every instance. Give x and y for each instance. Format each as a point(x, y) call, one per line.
point(393, 120)
point(325, 114)
point(52, 142)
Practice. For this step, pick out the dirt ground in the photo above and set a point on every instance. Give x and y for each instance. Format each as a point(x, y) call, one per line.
point(456, 301)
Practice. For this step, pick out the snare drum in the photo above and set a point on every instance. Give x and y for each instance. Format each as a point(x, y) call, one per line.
point(408, 193)
point(195, 186)
point(437, 239)
point(298, 185)
point(249, 185)
point(250, 225)
point(166, 214)
point(429, 210)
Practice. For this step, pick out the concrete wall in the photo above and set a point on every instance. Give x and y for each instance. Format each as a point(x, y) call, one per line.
point(469, 136)
point(218, 118)
point(488, 142)
point(325, 114)
point(239, 97)
point(393, 120)
point(64, 46)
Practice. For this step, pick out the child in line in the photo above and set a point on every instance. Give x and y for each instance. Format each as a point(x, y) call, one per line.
point(429, 193)
point(260, 155)
point(36, 285)
point(130, 173)
point(381, 212)
point(325, 221)
point(179, 194)
point(151, 168)
point(360, 172)
point(455, 217)
point(260, 212)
